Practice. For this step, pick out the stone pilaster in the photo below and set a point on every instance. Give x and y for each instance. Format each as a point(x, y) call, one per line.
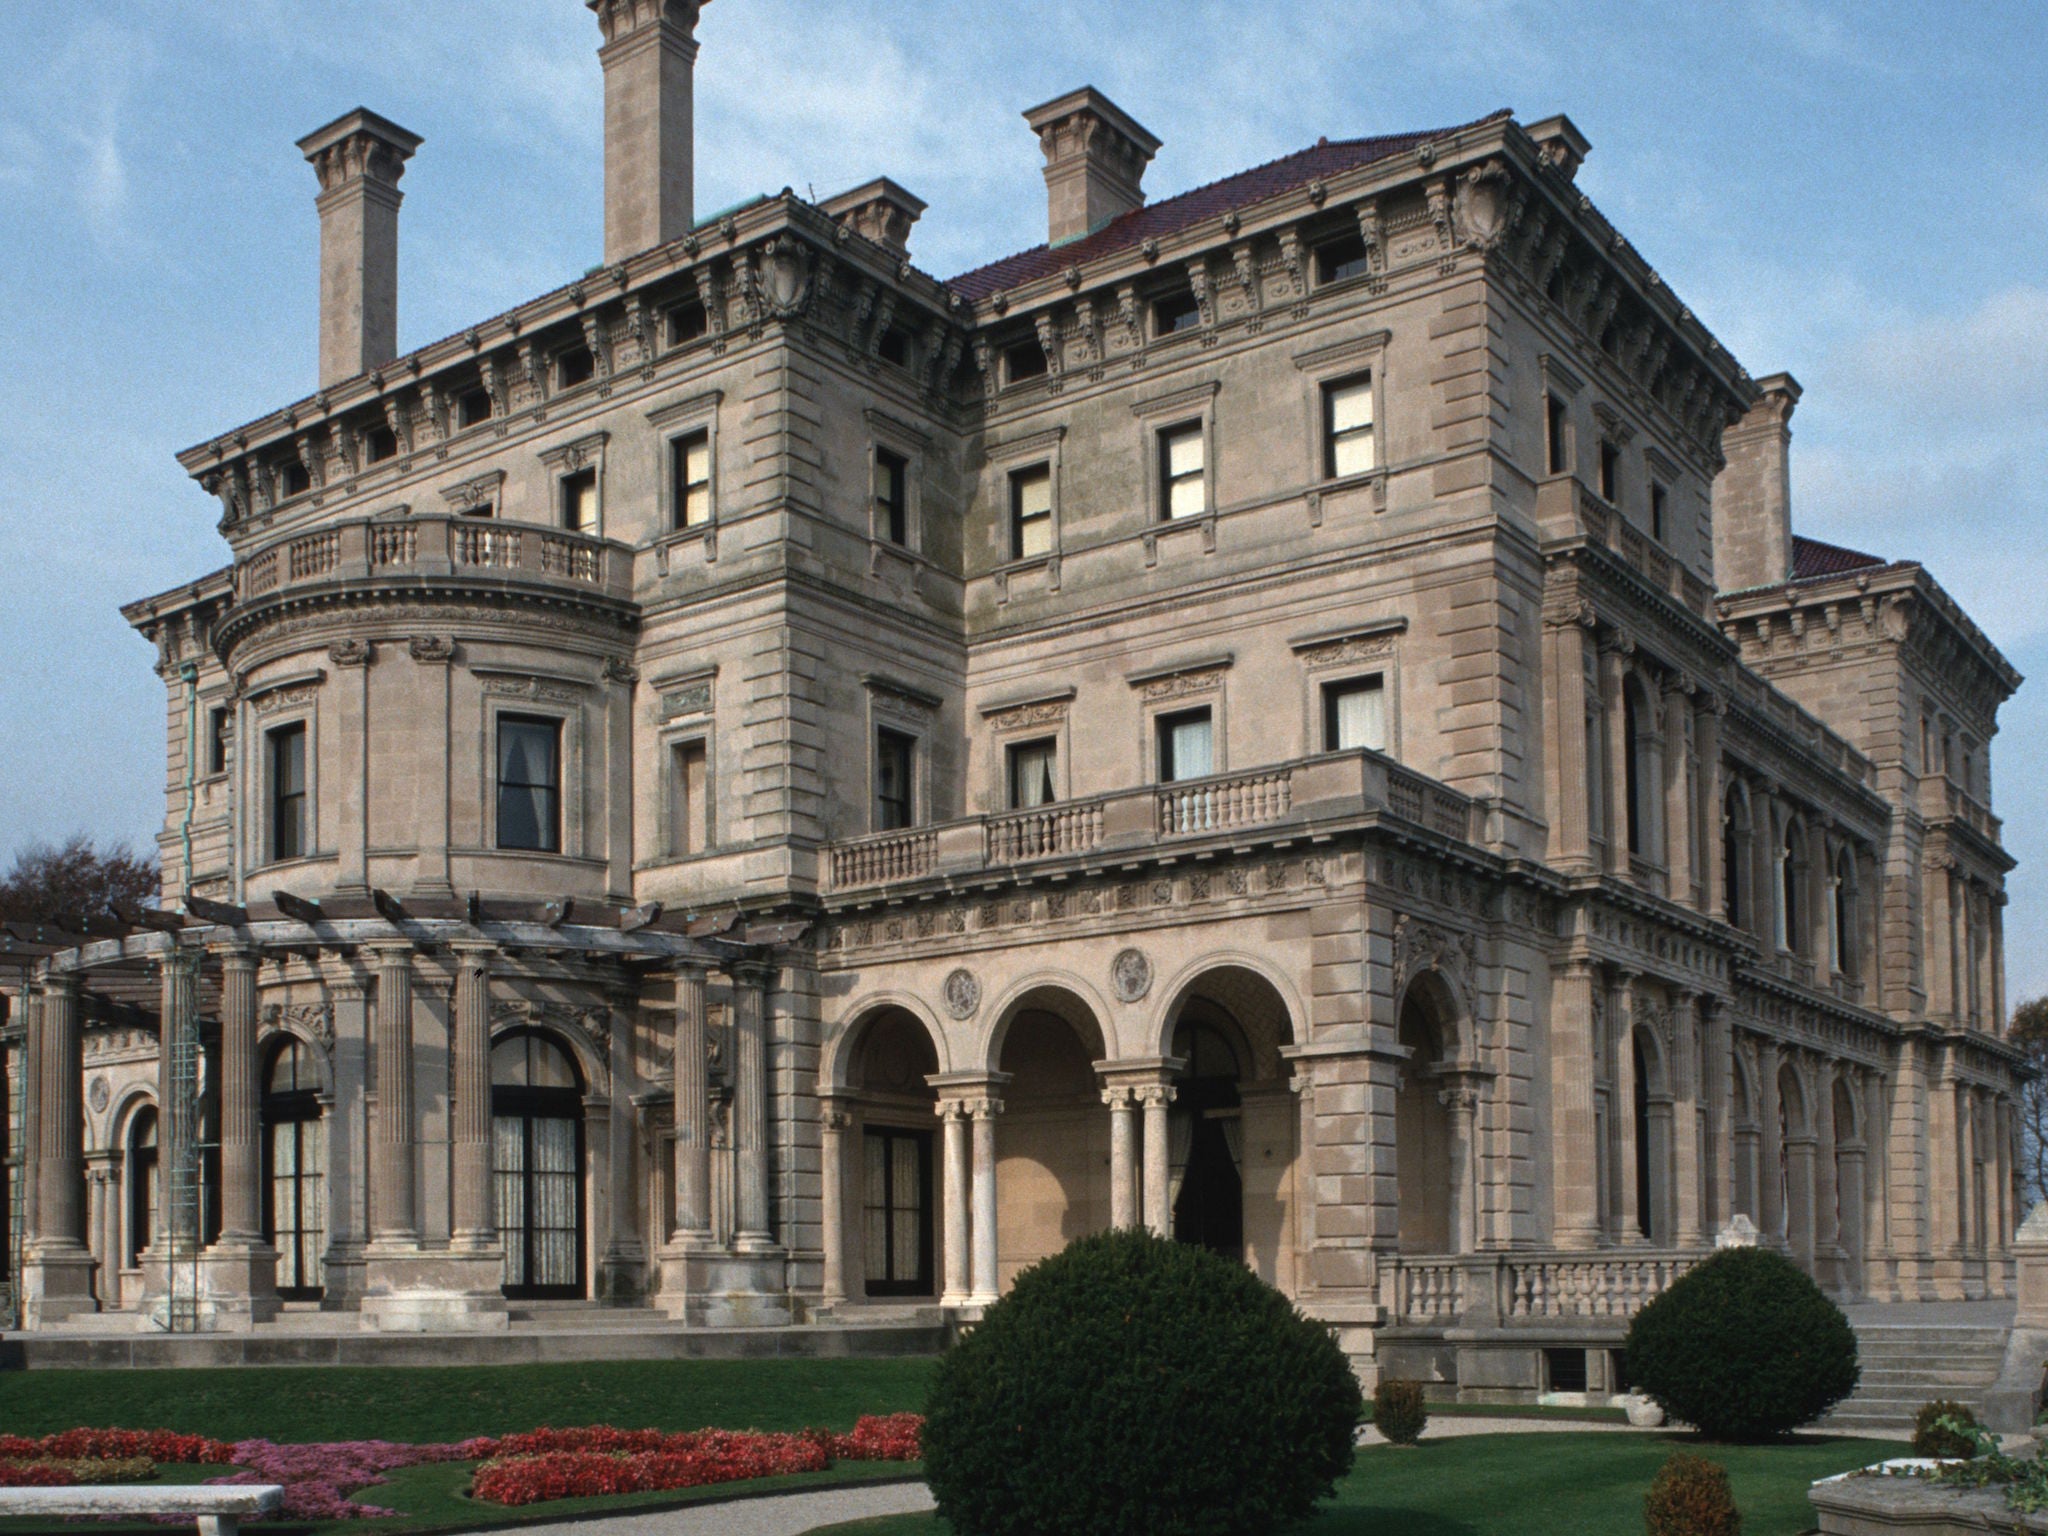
point(1686, 1172)
point(475, 1202)
point(394, 1218)
point(751, 1224)
point(833, 1124)
point(1574, 1149)
point(692, 1110)
point(57, 1271)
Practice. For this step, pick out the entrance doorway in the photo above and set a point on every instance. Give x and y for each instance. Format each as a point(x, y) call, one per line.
point(295, 1171)
point(537, 1143)
point(1206, 1129)
point(896, 1238)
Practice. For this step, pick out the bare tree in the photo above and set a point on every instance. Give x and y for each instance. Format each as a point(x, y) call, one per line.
point(2029, 1031)
point(78, 879)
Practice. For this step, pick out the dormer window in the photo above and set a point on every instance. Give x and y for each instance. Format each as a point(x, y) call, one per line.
point(379, 444)
point(472, 408)
point(1175, 313)
point(293, 480)
point(1024, 361)
point(1342, 259)
point(575, 367)
point(685, 323)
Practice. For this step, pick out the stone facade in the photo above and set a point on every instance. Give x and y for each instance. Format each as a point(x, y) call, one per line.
point(1293, 715)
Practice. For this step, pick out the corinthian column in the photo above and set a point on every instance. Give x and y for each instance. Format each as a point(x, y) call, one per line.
point(750, 1110)
point(241, 1146)
point(833, 1124)
point(393, 1209)
point(1123, 1158)
point(1158, 1202)
point(692, 1109)
point(469, 1131)
point(177, 1106)
point(60, 1129)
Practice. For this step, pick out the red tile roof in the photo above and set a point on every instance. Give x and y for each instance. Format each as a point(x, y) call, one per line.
point(1812, 560)
point(1157, 220)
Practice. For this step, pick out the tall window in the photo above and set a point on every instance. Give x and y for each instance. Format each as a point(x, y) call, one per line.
point(1175, 313)
point(218, 728)
point(1657, 503)
point(142, 1161)
point(1347, 427)
point(1031, 773)
point(1631, 751)
point(1186, 746)
point(896, 1233)
point(1183, 489)
point(892, 496)
point(1842, 925)
point(529, 784)
point(288, 793)
point(1610, 472)
point(689, 823)
point(579, 502)
point(895, 756)
point(690, 474)
point(1556, 456)
point(537, 1158)
point(1031, 512)
point(1789, 892)
point(1735, 834)
point(1355, 714)
point(295, 1168)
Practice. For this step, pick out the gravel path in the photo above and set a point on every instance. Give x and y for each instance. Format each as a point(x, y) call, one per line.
point(783, 1514)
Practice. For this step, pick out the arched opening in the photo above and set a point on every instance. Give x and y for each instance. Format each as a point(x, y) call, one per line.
point(1640, 1110)
point(1638, 741)
point(1747, 1194)
point(1843, 916)
point(1794, 1172)
point(1052, 1138)
point(295, 1169)
point(1206, 1137)
point(1850, 1170)
point(140, 1170)
point(896, 1167)
point(1791, 872)
point(1736, 836)
point(1423, 1181)
point(537, 1146)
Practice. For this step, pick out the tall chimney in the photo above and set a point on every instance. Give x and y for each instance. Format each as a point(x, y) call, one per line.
point(1095, 159)
point(1753, 492)
point(359, 159)
point(880, 210)
point(650, 59)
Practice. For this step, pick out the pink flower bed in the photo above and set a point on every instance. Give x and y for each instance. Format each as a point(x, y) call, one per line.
point(318, 1479)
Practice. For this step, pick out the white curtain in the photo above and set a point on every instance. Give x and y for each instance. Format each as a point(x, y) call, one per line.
point(1180, 1136)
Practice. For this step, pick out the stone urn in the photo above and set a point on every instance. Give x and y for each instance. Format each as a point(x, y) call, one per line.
point(1642, 1411)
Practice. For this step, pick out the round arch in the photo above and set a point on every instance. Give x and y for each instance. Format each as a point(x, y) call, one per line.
point(1230, 971)
point(1795, 1106)
point(1446, 1011)
point(1059, 993)
point(592, 1062)
point(842, 1046)
point(1650, 1049)
point(322, 1055)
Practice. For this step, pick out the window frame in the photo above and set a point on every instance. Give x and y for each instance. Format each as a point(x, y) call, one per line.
point(1193, 406)
point(1365, 382)
point(464, 421)
point(675, 424)
point(1610, 471)
point(1186, 310)
point(274, 735)
point(1012, 377)
point(891, 503)
point(220, 738)
point(1335, 365)
point(673, 335)
point(567, 461)
point(1015, 481)
point(1013, 752)
point(578, 359)
point(558, 818)
point(1334, 658)
point(894, 733)
point(1164, 722)
point(1660, 506)
point(1328, 273)
point(1331, 689)
point(1167, 438)
point(703, 816)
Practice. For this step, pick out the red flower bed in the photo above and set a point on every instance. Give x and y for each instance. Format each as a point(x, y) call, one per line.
point(35, 1474)
point(875, 1437)
point(683, 1461)
point(119, 1445)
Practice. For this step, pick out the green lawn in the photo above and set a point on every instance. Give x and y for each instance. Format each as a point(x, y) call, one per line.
point(429, 1404)
point(1570, 1483)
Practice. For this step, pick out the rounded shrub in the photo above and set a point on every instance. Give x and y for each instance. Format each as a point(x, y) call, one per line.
point(1132, 1386)
point(1743, 1347)
point(1690, 1496)
point(1931, 1437)
point(1399, 1411)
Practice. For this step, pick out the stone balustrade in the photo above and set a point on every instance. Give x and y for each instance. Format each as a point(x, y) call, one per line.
point(1496, 1289)
point(1312, 790)
point(437, 546)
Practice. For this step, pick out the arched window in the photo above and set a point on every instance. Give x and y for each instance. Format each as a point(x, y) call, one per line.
point(1206, 1158)
point(141, 1170)
point(295, 1170)
point(537, 1135)
point(1631, 746)
point(1842, 918)
point(1640, 1109)
point(1789, 910)
point(1735, 839)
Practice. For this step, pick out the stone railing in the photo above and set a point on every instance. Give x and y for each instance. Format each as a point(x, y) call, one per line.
point(1504, 1289)
point(1296, 795)
point(435, 546)
point(1567, 509)
point(1942, 799)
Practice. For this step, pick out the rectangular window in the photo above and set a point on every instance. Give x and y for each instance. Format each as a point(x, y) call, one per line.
point(894, 347)
point(294, 480)
point(1031, 512)
point(1555, 457)
point(1610, 472)
point(379, 444)
point(529, 783)
point(895, 755)
point(1347, 427)
point(575, 367)
point(579, 502)
point(689, 800)
point(1175, 313)
point(1183, 489)
point(685, 323)
point(1186, 746)
point(1031, 773)
point(690, 471)
point(1355, 714)
point(1656, 511)
point(896, 1207)
point(892, 496)
point(288, 793)
point(1342, 259)
point(1024, 361)
point(472, 407)
point(217, 729)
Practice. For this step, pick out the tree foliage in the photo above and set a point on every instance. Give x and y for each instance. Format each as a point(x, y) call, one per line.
point(2029, 1031)
point(77, 879)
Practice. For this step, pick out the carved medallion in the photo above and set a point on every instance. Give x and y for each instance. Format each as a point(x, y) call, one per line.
point(963, 994)
point(1131, 975)
point(98, 1094)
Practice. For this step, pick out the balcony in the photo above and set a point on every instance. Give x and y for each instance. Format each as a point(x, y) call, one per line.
point(464, 548)
point(1942, 799)
point(1566, 509)
point(1305, 794)
point(1506, 1289)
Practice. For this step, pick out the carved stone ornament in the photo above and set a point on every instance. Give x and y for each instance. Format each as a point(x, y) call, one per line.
point(1420, 946)
point(1130, 974)
point(98, 1094)
point(963, 994)
point(786, 277)
point(315, 1021)
point(693, 700)
point(431, 648)
point(1183, 684)
point(1480, 211)
point(351, 653)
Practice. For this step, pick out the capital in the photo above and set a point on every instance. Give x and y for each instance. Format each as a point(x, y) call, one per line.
point(359, 146)
point(620, 19)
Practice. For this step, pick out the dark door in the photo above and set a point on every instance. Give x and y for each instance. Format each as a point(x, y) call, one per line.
point(537, 1136)
point(897, 1212)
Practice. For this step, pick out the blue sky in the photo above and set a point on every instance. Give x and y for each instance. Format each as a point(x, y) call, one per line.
point(1853, 194)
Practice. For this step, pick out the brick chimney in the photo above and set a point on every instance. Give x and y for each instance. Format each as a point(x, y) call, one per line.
point(1095, 159)
point(1753, 492)
point(881, 211)
point(359, 159)
point(650, 62)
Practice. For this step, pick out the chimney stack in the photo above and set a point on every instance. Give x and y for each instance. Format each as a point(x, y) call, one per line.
point(650, 60)
point(359, 159)
point(1753, 492)
point(880, 211)
point(1561, 143)
point(1095, 159)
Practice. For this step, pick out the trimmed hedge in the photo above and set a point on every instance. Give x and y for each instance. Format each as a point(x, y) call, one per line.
point(1399, 1411)
point(1690, 1496)
point(1132, 1386)
point(1931, 1437)
point(1744, 1347)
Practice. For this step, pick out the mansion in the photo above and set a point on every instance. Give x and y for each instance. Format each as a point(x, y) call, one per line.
point(766, 787)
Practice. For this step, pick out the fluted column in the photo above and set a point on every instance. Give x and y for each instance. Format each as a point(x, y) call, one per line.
point(1574, 1135)
point(1461, 1099)
point(833, 1124)
point(692, 1109)
point(394, 1215)
point(984, 1112)
point(177, 1107)
point(31, 1144)
point(1123, 1157)
point(469, 1120)
point(1687, 1174)
point(1770, 1218)
point(958, 1177)
point(1712, 807)
point(1613, 675)
point(1158, 1204)
point(60, 1149)
point(241, 1143)
point(750, 1109)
